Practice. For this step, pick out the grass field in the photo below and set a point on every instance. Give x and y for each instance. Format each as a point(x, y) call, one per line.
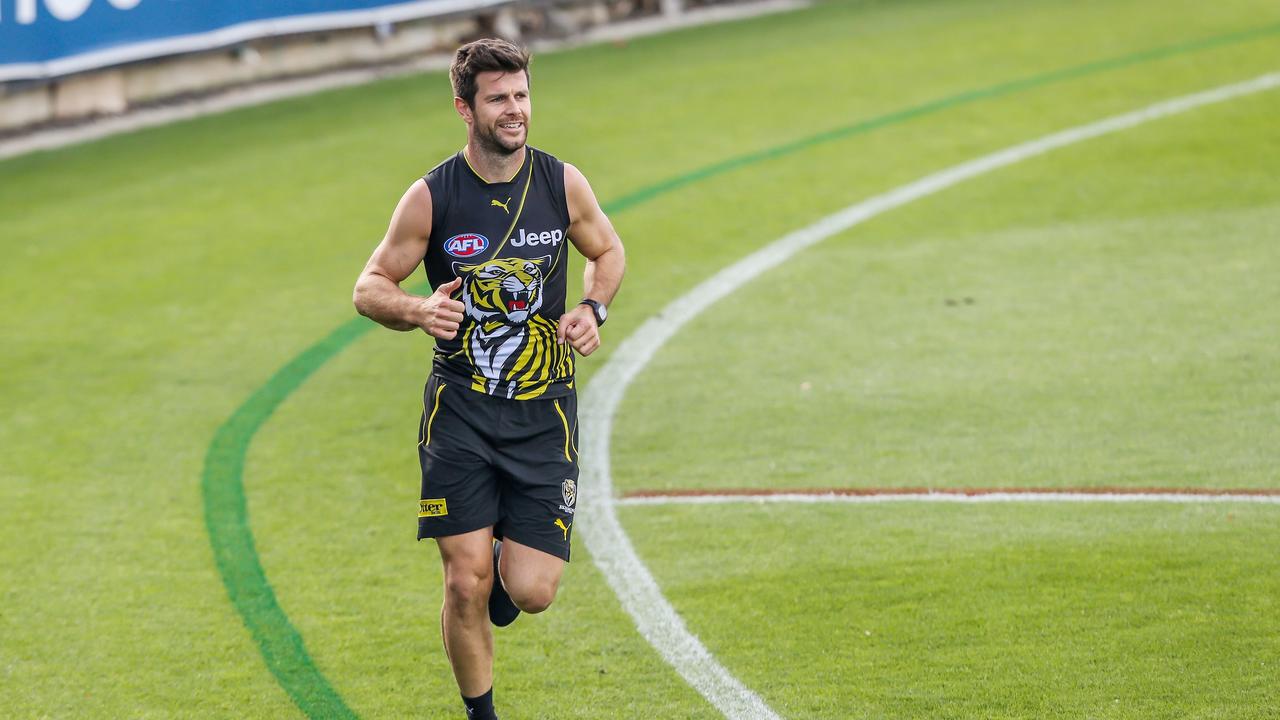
point(1102, 316)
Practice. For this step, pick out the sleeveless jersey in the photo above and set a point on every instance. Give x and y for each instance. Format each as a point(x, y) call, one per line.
point(506, 240)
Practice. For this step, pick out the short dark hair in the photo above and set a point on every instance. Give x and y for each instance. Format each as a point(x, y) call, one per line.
point(486, 55)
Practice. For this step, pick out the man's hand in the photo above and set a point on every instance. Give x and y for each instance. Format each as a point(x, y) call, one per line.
point(439, 315)
point(578, 327)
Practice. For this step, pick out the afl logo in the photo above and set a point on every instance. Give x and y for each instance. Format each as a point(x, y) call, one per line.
point(466, 245)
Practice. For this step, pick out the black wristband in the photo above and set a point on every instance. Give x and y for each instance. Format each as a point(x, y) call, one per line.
point(597, 308)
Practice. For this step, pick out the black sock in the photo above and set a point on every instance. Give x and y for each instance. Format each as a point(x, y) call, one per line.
point(480, 708)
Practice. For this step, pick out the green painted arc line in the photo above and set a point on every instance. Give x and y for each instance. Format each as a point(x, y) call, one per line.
point(646, 194)
point(227, 518)
point(225, 509)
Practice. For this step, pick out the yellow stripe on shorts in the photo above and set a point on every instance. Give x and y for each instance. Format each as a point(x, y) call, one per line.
point(435, 407)
point(565, 423)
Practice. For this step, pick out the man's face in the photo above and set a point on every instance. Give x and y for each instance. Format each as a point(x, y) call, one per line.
point(500, 119)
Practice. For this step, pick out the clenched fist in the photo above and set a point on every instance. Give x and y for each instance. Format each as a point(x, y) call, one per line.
point(578, 328)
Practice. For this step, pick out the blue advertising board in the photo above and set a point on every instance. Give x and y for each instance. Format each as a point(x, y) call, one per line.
point(48, 38)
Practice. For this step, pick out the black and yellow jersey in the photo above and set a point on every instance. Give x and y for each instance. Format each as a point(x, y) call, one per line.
point(506, 240)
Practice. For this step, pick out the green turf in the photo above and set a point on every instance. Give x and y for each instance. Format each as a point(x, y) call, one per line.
point(1013, 611)
point(1103, 316)
point(152, 282)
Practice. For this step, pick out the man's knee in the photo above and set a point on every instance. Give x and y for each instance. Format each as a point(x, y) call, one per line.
point(534, 597)
point(468, 586)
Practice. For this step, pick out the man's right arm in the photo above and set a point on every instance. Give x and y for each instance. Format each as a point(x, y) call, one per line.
point(378, 295)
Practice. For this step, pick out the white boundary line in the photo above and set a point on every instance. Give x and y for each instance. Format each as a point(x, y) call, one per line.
point(991, 497)
point(610, 548)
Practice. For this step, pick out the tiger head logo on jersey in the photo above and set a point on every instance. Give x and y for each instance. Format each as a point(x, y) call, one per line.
point(507, 290)
point(512, 348)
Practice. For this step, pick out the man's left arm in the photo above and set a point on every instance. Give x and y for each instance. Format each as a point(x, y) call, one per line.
point(593, 235)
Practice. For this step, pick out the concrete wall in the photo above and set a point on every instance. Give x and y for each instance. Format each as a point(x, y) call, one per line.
point(28, 106)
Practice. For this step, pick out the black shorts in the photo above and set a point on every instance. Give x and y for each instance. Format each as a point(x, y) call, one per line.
point(486, 460)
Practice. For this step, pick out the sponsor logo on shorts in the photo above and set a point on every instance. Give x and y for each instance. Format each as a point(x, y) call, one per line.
point(466, 245)
point(436, 507)
point(560, 524)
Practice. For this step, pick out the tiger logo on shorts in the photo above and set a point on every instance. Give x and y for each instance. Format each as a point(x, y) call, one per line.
point(512, 349)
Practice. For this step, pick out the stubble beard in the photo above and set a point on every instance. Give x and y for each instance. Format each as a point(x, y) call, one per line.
point(491, 142)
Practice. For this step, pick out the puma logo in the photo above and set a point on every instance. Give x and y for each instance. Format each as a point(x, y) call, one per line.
point(502, 205)
point(560, 524)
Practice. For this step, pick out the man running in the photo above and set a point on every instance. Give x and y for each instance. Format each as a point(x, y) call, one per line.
point(498, 438)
